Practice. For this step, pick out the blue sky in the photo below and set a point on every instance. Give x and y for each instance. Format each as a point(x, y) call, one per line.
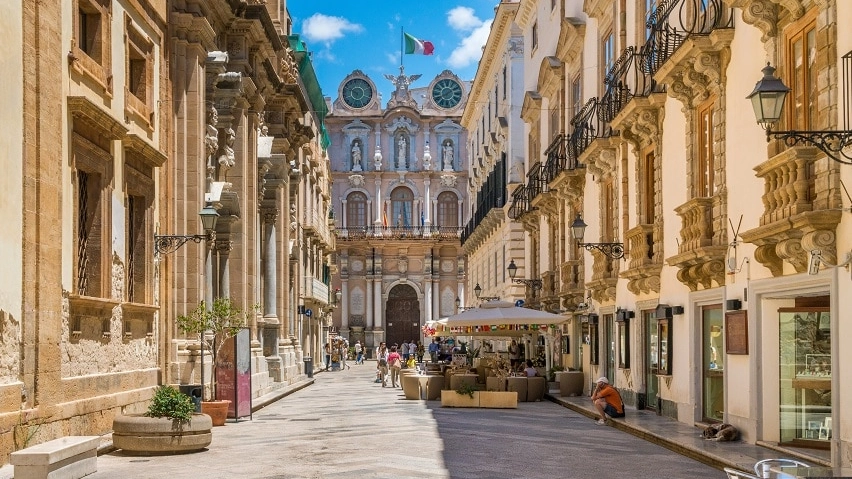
point(344, 35)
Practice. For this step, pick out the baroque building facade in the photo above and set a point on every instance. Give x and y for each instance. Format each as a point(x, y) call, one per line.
point(134, 116)
point(399, 199)
point(726, 304)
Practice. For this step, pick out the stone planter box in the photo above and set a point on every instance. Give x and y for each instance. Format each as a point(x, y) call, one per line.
point(156, 435)
point(487, 399)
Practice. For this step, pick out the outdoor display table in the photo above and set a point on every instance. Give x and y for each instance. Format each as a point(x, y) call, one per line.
point(411, 386)
point(519, 385)
point(434, 384)
point(535, 388)
point(570, 383)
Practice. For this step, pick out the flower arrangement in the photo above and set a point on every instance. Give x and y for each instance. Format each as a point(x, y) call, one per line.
point(428, 330)
point(500, 366)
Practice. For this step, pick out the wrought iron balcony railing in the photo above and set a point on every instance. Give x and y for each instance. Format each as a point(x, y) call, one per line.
point(558, 159)
point(627, 79)
point(588, 125)
point(520, 202)
point(536, 182)
point(355, 233)
point(673, 21)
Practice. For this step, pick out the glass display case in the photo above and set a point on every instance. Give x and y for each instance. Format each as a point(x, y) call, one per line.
point(805, 348)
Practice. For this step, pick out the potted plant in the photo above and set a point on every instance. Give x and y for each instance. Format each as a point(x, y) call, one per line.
point(169, 426)
point(214, 325)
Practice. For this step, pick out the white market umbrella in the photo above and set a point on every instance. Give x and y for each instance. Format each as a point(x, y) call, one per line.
point(501, 312)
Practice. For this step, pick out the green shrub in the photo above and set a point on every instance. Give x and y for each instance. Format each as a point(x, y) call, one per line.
point(171, 403)
point(468, 389)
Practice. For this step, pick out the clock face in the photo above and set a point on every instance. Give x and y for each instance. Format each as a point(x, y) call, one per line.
point(446, 93)
point(357, 93)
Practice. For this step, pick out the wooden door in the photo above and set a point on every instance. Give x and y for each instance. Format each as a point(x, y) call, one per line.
point(402, 315)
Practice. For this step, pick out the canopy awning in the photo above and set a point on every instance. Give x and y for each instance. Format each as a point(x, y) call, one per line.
point(498, 318)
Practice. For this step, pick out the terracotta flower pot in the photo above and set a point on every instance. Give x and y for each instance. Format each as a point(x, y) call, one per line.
point(217, 410)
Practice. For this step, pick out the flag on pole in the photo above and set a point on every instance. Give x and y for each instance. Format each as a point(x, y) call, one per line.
point(385, 219)
point(418, 47)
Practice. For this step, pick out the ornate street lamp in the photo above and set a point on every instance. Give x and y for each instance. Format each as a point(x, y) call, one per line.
point(535, 284)
point(165, 244)
point(767, 100)
point(478, 292)
point(612, 250)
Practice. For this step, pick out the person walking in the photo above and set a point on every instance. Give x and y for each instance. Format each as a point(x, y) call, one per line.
point(359, 353)
point(382, 364)
point(327, 350)
point(420, 352)
point(395, 364)
point(434, 347)
point(344, 354)
point(404, 351)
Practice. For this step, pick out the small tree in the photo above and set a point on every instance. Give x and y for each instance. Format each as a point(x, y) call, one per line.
point(213, 326)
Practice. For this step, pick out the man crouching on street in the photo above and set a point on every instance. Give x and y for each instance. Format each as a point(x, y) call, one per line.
point(607, 401)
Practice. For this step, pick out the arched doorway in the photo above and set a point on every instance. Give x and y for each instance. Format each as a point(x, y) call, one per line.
point(403, 315)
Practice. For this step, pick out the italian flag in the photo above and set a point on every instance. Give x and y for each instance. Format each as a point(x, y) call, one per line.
point(418, 47)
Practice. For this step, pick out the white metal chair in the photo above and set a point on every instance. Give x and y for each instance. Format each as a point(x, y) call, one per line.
point(761, 468)
point(737, 474)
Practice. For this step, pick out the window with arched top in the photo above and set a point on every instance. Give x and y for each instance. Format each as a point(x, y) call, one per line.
point(356, 209)
point(448, 209)
point(402, 203)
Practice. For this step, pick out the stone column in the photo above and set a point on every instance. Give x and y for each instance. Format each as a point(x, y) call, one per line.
point(224, 247)
point(427, 300)
point(427, 201)
point(379, 203)
point(343, 220)
point(344, 307)
point(272, 325)
point(369, 300)
point(460, 220)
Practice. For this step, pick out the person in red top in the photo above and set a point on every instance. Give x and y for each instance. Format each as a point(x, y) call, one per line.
point(607, 401)
point(395, 363)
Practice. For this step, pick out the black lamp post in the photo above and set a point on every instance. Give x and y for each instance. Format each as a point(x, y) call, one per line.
point(535, 284)
point(478, 292)
point(767, 100)
point(612, 250)
point(165, 244)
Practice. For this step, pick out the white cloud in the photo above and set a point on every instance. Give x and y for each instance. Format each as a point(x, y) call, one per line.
point(470, 49)
point(328, 29)
point(463, 19)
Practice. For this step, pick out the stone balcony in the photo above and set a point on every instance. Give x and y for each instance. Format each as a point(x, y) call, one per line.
point(644, 246)
point(802, 209)
point(703, 244)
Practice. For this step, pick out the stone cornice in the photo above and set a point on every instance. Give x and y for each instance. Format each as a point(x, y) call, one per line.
point(526, 13)
point(550, 76)
point(85, 110)
point(531, 108)
point(492, 55)
point(570, 45)
point(148, 153)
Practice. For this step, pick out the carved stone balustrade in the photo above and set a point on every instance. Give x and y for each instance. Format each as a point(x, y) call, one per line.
point(703, 245)
point(802, 208)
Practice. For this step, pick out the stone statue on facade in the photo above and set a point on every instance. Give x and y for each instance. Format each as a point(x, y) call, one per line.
point(356, 156)
point(448, 156)
point(227, 158)
point(211, 140)
point(401, 96)
point(402, 146)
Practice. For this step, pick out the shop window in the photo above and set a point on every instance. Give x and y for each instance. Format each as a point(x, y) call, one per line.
point(622, 318)
point(593, 338)
point(713, 364)
point(805, 376)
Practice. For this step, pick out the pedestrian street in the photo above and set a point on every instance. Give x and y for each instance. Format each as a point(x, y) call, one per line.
point(347, 426)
